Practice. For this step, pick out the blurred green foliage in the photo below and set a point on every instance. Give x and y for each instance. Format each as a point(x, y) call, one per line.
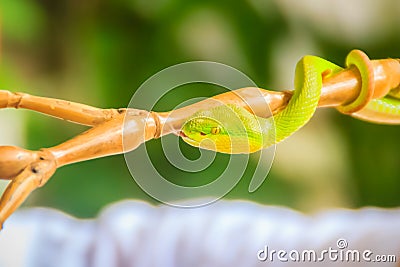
point(99, 52)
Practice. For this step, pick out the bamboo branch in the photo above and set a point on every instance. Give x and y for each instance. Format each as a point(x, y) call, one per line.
point(117, 131)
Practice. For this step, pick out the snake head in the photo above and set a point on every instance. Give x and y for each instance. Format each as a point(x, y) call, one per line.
point(202, 131)
point(227, 129)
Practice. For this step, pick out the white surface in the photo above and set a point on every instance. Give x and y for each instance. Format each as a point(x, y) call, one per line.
point(227, 233)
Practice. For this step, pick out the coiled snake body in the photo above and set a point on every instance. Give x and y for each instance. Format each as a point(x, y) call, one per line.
point(232, 129)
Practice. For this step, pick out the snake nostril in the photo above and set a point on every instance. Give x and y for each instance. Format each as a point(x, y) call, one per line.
point(203, 134)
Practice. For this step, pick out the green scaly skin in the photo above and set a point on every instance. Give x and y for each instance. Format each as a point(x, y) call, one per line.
point(232, 129)
point(384, 109)
point(242, 132)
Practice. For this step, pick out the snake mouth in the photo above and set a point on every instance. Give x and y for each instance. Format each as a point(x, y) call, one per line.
point(187, 139)
point(182, 134)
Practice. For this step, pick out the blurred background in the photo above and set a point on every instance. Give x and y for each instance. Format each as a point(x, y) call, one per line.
point(100, 52)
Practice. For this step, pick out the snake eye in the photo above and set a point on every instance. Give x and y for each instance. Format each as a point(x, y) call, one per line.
point(215, 130)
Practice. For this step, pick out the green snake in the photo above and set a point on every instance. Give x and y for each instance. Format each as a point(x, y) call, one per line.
point(232, 129)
